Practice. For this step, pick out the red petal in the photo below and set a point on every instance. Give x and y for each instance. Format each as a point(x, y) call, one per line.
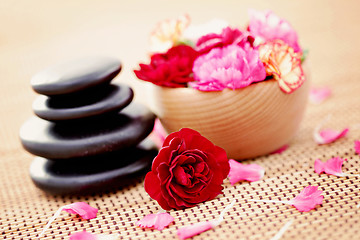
point(222, 160)
point(152, 187)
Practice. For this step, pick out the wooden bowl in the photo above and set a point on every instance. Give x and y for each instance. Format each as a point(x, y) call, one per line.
point(247, 122)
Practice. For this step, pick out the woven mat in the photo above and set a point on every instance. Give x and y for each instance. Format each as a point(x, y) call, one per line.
point(24, 209)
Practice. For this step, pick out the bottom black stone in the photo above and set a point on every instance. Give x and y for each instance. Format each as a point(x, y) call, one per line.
point(93, 175)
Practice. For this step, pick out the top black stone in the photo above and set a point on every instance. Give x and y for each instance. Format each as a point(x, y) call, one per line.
point(75, 75)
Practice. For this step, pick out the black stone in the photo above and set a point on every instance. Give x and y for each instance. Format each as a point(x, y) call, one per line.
point(94, 174)
point(75, 75)
point(89, 137)
point(109, 98)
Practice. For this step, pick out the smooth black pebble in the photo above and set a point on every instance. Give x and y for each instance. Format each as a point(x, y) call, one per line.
point(89, 137)
point(76, 75)
point(93, 174)
point(109, 98)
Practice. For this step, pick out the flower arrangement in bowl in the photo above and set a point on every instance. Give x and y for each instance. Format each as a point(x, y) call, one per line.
point(243, 89)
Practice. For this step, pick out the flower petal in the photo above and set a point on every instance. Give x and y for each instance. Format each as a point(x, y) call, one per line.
point(283, 64)
point(158, 221)
point(83, 236)
point(90, 236)
point(194, 229)
point(320, 94)
point(319, 166)
point(158, 134)
point(167, 33)
point(357, 146)
point(81, 208)
point(250, 172)
point(308, 198)
point(327, 135)
point(155, 193)
point(280, 150)
point(230, 67)
point(197, 228)
point(268, 26)
point(331, 166)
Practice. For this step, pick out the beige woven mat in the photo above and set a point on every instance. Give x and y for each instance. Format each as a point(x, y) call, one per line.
point(33, 38)
point(25, 209)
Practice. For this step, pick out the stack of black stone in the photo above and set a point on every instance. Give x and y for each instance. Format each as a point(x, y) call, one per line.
point(88, 134)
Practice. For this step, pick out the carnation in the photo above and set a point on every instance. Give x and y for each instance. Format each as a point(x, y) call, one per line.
point(217, 56)
point(231, 67)
point(228, 36)
point(188, 170)
point(268, 26)
point(170, 69)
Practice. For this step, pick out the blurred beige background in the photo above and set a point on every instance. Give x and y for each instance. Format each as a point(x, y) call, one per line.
point(38, 33)
point(35, 34)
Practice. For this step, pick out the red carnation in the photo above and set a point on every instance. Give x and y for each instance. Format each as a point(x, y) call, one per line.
point(228, 36)
point(170, 69)
point(188, 170)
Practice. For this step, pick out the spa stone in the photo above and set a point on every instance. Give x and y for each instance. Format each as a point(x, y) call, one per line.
point(107, 99)
point(88, 137)
point(93, 174)
point(76, 75)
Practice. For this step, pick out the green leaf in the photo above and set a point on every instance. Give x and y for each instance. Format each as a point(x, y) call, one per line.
point(185, 42)
point(304, 55)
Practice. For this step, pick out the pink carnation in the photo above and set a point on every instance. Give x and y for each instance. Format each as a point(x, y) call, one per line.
point(231, 67)
point(267, 25)
point(228, 36)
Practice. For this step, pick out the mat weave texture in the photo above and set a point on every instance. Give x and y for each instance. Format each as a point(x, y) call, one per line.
point(328, 28)
point(25, 210)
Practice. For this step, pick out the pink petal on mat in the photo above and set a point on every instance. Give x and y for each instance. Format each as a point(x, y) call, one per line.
point(331, 166)
point(327, 135)
point(158, 134)
point(158, 221)
point(197, 228)
point(83, 236)
point(92, 236)
point(320, 94)
point(81, 208)
point(194, 229)
point(308, 198)
point(357, 146)
point(249, 172)
point(280, 150)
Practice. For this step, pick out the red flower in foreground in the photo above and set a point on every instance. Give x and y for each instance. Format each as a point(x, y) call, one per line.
point(228, 36)
point(170, 69)
point(188, 170)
